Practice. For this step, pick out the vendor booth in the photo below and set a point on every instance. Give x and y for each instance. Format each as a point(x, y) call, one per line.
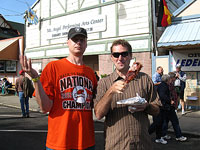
point(182, 39)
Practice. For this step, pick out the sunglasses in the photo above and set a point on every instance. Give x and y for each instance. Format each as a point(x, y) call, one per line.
point(123, 54)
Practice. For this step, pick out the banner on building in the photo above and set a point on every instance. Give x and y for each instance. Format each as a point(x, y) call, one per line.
point(92, 24)
point(164, 15)
point(189, 60)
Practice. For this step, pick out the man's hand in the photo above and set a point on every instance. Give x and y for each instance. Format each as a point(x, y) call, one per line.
point(27, 67)
point(177, 75)
point(157, 83)
point(172, 102)
point(137, 108)
point(118, 87)
point(104, 104)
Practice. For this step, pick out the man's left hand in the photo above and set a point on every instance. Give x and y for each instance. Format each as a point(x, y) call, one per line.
point(137, 108)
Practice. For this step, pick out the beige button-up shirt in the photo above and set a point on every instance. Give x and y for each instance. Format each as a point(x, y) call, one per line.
point(125, 130)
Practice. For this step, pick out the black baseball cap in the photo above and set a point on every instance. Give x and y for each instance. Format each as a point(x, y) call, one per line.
point(77, 31)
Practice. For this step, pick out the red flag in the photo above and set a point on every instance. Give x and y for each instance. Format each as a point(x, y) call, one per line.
point(164, 16)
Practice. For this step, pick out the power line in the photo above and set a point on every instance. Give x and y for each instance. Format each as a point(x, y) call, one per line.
point(9, 10)
point(16, 14)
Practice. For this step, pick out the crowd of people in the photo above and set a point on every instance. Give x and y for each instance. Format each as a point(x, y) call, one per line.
point(69, 95)
point(169, 93)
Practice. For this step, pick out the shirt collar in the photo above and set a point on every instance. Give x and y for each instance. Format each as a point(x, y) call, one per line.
point(115, 76)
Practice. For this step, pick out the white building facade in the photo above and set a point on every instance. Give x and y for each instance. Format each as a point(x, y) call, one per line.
point(105, 21)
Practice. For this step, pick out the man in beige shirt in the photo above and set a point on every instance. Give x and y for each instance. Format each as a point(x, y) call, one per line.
point(125, 129)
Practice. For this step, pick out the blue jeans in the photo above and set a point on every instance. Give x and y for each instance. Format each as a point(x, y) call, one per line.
point(24, 100)
point(171, 116)
point(89, 148)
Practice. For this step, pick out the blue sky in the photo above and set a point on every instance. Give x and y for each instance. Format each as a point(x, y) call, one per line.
point(13, 10)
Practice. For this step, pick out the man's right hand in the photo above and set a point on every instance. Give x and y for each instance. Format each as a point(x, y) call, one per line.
point(104, 104)
point(27, 67)
point(119, 86)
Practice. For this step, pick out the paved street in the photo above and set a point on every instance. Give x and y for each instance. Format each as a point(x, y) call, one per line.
point(18, 133)
point(191, 144)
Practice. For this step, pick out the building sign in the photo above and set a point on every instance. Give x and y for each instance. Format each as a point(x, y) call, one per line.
point(91, 24)
point(189, 60)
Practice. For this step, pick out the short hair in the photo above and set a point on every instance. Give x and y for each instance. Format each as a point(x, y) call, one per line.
point(178, 65)
point(165, 78)
point(172, 74)
point(159, 67)
point(123, 43)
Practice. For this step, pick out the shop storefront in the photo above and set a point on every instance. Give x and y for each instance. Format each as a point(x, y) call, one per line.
point(10, 49)
point(11, 46)
point(182, 39)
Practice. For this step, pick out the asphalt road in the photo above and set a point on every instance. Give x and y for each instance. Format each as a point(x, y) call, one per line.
point(18, 133)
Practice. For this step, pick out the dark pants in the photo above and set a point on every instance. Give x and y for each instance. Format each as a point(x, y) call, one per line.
point(156, 126)
point(170, 115)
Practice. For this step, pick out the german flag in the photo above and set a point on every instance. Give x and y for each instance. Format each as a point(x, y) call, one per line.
point(164, 16)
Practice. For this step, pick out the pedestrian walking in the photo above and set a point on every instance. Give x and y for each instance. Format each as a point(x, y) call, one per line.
point(24, 89)
point(170, 115)
point(157, 124)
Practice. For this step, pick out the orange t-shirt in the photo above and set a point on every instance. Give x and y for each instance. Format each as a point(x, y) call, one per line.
point(70, 122)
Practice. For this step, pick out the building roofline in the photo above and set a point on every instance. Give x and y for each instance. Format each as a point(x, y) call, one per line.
point(35, 4)
point(182, 8)
point(185, 18)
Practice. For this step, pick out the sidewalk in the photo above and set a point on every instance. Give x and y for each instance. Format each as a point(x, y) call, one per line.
point(189, 122)
point(13, 101)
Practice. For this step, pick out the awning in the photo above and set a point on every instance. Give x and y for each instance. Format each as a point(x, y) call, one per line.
point(9, 49)
point(183, 32)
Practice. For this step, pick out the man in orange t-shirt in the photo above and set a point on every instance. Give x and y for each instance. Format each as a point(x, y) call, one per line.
point(65, 90)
